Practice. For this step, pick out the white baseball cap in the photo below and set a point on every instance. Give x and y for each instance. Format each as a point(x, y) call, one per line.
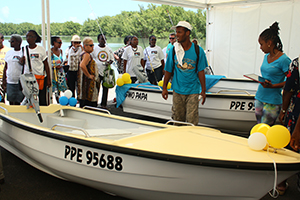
point(183, 24)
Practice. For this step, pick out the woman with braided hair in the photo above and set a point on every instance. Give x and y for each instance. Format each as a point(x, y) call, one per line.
point(268, 98)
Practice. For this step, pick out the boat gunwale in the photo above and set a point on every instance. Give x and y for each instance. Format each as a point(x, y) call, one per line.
point(213, 95)
point(154, 155)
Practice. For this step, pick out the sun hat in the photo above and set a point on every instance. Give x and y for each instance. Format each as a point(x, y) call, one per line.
point(75, 38)
point(183, 24)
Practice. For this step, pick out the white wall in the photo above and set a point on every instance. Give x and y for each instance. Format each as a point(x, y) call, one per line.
point(232, 36)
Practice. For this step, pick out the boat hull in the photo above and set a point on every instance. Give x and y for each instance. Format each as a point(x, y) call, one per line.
point(227, 112)
point(128, 167)
point(140, 178)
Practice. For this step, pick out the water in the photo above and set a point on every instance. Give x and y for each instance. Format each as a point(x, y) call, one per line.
point(113, 43)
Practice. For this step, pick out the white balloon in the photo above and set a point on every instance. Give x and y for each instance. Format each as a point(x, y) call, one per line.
point(68, 94)
point(257, 141)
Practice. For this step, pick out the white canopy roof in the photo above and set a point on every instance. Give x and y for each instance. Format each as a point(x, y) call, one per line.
point(200, 4)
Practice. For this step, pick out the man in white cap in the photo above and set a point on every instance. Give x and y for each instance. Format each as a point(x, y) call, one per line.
point(187, 67)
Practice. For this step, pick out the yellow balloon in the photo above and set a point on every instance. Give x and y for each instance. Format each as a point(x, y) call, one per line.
point(169, 86)
point(128, 82)
point(161, 83)
point(261, 128)
point(278, 136)
point(120, 82)
point(126, 77)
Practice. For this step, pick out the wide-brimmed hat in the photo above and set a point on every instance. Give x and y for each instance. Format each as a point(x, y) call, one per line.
point(183, 24)
point(75, 38)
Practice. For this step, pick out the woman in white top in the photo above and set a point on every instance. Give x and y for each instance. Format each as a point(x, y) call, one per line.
point(155, 63)
point(12, 71)
point(133, 56)
point(39, 63)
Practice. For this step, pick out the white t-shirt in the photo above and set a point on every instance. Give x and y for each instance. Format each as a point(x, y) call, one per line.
point(14, 68)
point(101, 55)
point(155, 54)
point(133, 58)
point(37, 56)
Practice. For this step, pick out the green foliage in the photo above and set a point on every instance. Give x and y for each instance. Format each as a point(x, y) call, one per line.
point(154, 20)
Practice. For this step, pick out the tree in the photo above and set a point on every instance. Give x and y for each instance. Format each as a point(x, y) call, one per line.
point(153, 20)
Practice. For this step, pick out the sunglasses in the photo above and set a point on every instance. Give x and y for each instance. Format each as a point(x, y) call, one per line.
point(77, 42)
point(59, 42)
point(91, 45)
point(171, 38)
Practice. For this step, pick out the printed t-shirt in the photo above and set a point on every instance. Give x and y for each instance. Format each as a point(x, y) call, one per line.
point(37, 56)
point(102, 55)
point(133, 58)
point(185, 79)
point(155, 54)
point(14, 68)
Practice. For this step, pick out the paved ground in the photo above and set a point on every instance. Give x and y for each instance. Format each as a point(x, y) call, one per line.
point(23, 182)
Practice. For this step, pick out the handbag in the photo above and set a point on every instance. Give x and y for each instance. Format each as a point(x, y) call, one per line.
point(109, 77)
point(39, 78)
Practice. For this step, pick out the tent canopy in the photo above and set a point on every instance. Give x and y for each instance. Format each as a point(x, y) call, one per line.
point(233, 28)
point(201, 4)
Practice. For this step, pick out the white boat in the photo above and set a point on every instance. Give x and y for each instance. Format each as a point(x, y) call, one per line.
point(234, 86)
point(228, 110)
point(141, 160)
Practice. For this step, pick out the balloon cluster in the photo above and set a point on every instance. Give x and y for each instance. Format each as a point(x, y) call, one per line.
point(262, 136)
point(161, 83)
point(123, 79)
point(67, 99)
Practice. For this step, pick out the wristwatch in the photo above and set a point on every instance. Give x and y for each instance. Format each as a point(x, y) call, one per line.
point(283, 111)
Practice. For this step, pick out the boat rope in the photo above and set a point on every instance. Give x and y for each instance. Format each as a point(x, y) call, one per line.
point(273, 193)
point(96, 19)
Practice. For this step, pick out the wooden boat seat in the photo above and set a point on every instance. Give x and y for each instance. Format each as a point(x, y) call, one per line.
point(54, 119)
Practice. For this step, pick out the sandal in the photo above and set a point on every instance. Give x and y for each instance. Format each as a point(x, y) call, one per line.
point(281, 189)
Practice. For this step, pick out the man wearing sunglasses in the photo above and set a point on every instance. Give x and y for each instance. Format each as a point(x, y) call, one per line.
point(172, 40)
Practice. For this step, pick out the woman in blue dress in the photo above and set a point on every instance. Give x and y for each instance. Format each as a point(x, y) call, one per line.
point(59, 83)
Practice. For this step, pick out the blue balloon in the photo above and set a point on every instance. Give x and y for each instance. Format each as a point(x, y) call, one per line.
point(72, 101)
point(63, 100)
point(0, 97)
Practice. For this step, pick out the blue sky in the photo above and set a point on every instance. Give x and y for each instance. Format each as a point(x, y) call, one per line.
point(18, 11)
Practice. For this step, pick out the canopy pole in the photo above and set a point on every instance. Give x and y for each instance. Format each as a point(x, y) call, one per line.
point(49, 49)
point(43, 23)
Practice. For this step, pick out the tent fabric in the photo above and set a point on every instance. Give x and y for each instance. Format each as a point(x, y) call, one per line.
point(201, 4)
point(233, 28)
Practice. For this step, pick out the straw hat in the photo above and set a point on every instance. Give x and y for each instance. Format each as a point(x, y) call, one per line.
point(75, 38)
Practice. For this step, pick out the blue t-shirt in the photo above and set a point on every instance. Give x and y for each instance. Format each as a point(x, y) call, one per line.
point(185, 79)
point(169, 47)
point(274, 72)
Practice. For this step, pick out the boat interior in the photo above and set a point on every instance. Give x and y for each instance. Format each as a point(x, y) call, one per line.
point(88, 122)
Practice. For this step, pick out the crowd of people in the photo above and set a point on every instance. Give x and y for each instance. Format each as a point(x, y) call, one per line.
point(81, 71)
point(183, 61)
